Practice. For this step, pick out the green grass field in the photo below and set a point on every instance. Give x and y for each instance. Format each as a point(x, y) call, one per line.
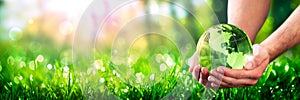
point(39, 72)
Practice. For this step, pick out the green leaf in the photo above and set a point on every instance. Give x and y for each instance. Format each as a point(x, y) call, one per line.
point(236, 60)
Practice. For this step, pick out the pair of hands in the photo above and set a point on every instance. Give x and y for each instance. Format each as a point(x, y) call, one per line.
point(224, 77)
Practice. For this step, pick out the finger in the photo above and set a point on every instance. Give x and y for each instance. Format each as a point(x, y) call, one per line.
point(217, 83)
point(250, 65)
point(204, 75)
point(214, 77)
point(229, 81)
point(207, 85)
point(216, 80)
point(239, 73)
point(192, 68)
point(196, 72)
point(255, 57)
point(222, 85)
point(216, 73)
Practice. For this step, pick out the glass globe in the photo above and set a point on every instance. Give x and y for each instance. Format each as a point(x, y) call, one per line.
point(224, 45)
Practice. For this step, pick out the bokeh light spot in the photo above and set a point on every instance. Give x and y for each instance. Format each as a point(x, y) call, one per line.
point(31, 65)
point(39, 58)
point(101, 80)
point(15, 33)
point(22, 64)
point(49, 66)
point(31, 77)
point(16, 80)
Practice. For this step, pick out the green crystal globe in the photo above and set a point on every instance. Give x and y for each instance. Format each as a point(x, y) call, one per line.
point(224, 45)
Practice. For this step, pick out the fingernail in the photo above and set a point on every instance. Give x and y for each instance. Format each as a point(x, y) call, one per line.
point(212, 85)
point(249, 65)
point(209, 78)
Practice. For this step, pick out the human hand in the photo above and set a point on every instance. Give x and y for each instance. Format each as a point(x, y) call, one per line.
point(199, 73)
point(224, 77)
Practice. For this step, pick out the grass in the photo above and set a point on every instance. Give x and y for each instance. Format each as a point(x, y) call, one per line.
point(44, 73)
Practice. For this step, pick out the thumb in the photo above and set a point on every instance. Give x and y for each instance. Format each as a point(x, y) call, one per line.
point(250, 64)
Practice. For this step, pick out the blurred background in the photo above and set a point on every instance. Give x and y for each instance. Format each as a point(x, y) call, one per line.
point(44, 30)
point(57, 20)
